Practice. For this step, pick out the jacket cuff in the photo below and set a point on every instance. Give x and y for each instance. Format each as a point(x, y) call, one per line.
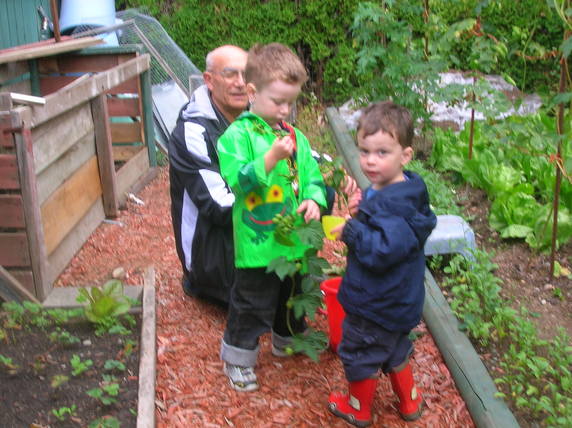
point(349, 233)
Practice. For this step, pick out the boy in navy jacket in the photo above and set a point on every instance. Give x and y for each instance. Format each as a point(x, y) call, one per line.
point(382, 291)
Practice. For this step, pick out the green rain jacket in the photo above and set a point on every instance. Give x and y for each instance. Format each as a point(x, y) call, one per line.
point(259, 197)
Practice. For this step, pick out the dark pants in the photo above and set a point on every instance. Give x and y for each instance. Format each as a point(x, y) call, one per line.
point(367, 347)
point(257, 305)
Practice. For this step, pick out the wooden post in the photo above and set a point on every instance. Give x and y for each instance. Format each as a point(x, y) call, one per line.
point(55, 20)
point(32, 215)
point(104, 150)
point(147, 116)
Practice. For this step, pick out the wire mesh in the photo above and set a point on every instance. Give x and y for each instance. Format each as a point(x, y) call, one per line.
point(168, 61)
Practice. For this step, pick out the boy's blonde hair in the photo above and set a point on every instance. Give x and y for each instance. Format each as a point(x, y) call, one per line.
point(390, 118)
point(275, 61)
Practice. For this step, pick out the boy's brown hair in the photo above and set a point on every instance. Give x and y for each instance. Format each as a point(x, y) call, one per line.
point(274, 61)
point(390, 118)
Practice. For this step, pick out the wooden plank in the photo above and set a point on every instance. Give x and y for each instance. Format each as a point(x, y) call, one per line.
point(62, 101)
point(147, 109)
point(12, 212)
point(63, 167)
point(35, 232)
point(105, 155)
point(46, 48)
point(124, 153)
point(12, 289)
point(123, 106)
point(12, 70)
point(128, 87)
point(14, 250)
point(5, 103)
point(129, 173)
point(9, 172)
point(67, 205)
point(77, 63)
point(126, 132)
point(6, 139)
point(51, 84)
point(62, 255)
point(25, 278)
point(90, 63)
point(148, 355)
point(52, 139)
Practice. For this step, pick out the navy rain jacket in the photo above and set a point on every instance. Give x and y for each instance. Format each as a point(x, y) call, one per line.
point(386, 263)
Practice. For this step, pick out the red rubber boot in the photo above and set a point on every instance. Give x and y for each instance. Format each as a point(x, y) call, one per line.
point(355, 407)
point(410, 399)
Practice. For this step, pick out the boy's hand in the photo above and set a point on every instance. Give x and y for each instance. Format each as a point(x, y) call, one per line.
point(350, 186)
point(282, 148)
point(353, 202)
point(339, 230)
point(311, 208)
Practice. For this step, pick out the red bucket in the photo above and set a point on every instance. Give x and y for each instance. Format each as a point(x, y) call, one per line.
point(336, 313)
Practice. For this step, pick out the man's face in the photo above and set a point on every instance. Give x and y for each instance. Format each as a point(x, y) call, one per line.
point(225, 80)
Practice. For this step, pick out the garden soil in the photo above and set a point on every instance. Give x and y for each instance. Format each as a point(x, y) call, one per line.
point(191, 388)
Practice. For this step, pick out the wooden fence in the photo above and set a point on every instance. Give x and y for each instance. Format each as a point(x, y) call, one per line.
point(69, 163)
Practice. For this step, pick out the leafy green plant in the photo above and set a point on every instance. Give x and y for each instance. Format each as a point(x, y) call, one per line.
point(8, 364)
point(511, 163)
point(104, 305)
point(64, 412)
point(105, 422)
point(311, 342)
point(107, 392)
point(78, 366)
point(112, 365)
point(535, 373)
point(64, 337)
point(58, 380)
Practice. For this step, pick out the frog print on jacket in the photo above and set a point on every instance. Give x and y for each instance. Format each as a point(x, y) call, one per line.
point(261, 209)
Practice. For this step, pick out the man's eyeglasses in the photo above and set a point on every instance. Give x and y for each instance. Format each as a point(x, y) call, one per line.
point(229, 73)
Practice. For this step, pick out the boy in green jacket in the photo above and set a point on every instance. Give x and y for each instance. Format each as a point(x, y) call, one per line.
point(268, 174)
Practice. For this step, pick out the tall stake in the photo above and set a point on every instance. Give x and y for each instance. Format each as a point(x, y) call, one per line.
point(560, 128)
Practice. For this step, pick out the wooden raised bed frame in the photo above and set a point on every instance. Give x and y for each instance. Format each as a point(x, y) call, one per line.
point(68, 164)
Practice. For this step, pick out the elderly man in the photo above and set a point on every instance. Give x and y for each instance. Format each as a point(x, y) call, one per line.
point(201, 202)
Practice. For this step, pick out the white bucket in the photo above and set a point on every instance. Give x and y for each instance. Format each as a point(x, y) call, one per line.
point(74, 13)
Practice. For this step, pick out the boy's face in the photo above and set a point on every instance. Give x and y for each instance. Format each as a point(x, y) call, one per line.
point(274, 101)
point(382, 158)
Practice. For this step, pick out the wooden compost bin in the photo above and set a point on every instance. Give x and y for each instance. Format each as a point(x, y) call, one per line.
point(68, 164)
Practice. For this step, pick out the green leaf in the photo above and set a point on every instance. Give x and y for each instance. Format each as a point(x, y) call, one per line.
point(566, 47)
point(282, 267)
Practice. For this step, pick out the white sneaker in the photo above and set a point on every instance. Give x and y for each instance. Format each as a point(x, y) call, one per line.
point(241, 378)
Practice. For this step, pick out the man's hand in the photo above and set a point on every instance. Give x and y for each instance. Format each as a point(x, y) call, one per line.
point(310, 209)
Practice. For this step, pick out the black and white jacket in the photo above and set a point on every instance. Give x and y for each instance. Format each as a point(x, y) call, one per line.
point(201, 202)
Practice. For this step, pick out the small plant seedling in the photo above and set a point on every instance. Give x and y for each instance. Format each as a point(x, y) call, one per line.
point(64, 337)
point(58, 380)
point(114, 365)
point(129, 347)
point(64, 412)
point(557, 292)
point(107, 392)
point(8, 364)
point(78, 366)
point(105, 422)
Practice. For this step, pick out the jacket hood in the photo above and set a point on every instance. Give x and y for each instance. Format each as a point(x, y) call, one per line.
point(199, 105)
point(409, 200)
